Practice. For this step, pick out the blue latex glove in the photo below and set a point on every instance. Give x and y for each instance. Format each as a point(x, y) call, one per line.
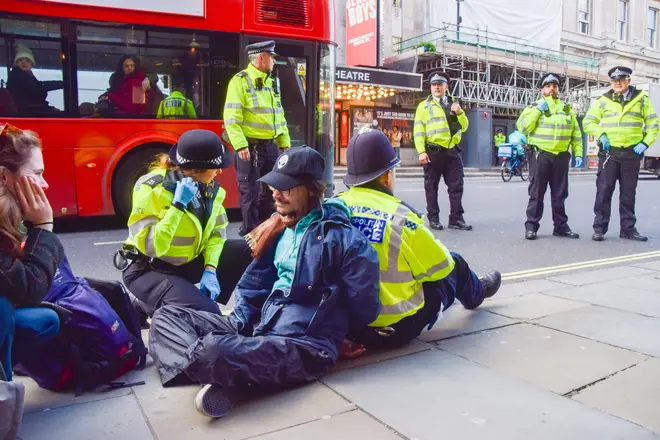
point(185, 192)
point(543, 106)
point(209, 284)
point(578, 162)
point(640, 148)
point(605, 142)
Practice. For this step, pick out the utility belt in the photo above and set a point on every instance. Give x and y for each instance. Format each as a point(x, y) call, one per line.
point(128, 254)
point(432, 147)
point(616, 150)
point(256, 142)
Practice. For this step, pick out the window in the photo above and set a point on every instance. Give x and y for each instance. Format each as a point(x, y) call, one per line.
point(31, 69)
point(584, 16)
point(128, 72)
point(622, 21)
point(652, 26)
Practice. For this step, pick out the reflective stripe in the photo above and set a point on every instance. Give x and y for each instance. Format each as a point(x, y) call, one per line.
point(652, 126)
point(630, 124)
point(233, 105)
point(176, 261)
point(262, 126)
point(392, 274)
point(633, 114)
point(556, 126)
point(220, 232)
point(404, 306)
point(262, 111)
point(252, 91)
point(589, 118)
point(183, 241)
point(429, 107)
point(149, 245)
point(420, 123)
point(438, 130)
point(651, 116)
point(549, 137)
point(440, 266)
point(609, 124)
point(222, 219)
point(230, 121)
point(434, 120)
point(420, 135)
point(139, 225)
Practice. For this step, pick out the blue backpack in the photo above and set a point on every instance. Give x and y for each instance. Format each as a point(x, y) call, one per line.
point(99, 339)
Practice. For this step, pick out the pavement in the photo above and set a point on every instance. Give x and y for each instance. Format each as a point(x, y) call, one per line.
point(568, 349)
point(573, 356)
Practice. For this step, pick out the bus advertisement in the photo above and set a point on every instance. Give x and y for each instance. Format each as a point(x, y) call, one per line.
point(93, 151)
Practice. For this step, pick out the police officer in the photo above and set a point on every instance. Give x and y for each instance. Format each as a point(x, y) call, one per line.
point(419, 277)
point(625, 124)
point(177, 230)
point(254, 120)
point(439, 125)
point(497, 140)
point(177, 106)
point(551, 128)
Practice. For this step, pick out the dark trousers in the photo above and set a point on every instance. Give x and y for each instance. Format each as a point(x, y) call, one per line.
point(157, 285)
point(255, 198)
point(549, 169)
point(446, 163)
point(207, 348)
point(461, 284)
point(620, 164)
point(22, 332)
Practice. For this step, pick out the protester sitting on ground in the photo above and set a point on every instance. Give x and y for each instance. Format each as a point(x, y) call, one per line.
point(28, 92)
point(177, 230)
point(26, 274)
point(314, 278)
point(128, 87)
point(419, 277)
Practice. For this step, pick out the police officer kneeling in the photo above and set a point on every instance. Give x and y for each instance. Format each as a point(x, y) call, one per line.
point(177, 230)
point(551, 127)
point(625, 124)
point(419, 277)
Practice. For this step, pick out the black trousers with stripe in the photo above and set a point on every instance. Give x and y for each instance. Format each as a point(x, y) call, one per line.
point(549, 169)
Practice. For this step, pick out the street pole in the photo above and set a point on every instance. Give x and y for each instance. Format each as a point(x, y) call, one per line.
point(458, 20)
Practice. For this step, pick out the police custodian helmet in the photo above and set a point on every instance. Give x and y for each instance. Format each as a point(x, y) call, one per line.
point(369, 155)
point(201, 150)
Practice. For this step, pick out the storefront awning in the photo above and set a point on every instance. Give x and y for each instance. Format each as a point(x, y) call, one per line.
point(368, 83)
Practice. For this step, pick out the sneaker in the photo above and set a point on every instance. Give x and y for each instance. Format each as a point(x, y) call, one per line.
point(215, 401)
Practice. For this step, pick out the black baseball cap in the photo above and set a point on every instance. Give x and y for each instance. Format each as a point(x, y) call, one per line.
point(201, 149)
point(296, 166)
point(369, 155)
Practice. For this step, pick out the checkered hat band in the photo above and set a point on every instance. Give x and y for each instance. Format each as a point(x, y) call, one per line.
point(183, 161)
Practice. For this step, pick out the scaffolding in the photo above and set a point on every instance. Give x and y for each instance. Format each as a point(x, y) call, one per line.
point(500, 72)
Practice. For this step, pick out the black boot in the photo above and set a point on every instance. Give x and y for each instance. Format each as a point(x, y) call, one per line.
point(566, 234)
point(636, 236)
point(598, 236)
point(460, 224)
point(435, 225)
point(530, 235)
point(491, 283)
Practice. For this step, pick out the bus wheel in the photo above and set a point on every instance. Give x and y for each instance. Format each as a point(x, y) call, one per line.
point(130, 168)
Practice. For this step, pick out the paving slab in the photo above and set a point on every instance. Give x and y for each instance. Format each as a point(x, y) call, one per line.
point(375, 356)
point(653, 265)
point(583, 278)
point(648, 282)
point(440, 395)
point(457, 320)
point(622, 329)
point(548, 358)
point(633, 395)
point(614, 295)
point(110, 419)
point(353, 425)
point(509, 290)
point(531, 306)
point(38, 399)
point(172, 414)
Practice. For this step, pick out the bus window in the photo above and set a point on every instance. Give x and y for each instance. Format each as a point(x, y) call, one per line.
point(31, 69)
point(124, 72)
point(292, 75)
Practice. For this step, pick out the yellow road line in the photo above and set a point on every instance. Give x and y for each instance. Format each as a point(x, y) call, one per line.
point(578, 265)
point(101, 243)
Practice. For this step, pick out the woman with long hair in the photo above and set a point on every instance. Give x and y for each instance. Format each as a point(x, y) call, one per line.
point(26, 272)
point(129, 87)
point(177, 230)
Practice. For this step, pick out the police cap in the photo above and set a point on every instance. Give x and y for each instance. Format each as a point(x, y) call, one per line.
point(619, 72)
point(549, 78)
point(202, 150)
point(296, 166)
point(261, 47)
point(439, 77)
point(369, 155)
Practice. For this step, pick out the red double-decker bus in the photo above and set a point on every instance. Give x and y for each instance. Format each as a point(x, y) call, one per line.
point(94, 149)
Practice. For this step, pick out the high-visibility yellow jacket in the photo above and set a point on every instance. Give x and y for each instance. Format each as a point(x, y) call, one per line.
point(161, 230)
point(253, 109)
point(408, 252)
point(553, 131)
point(499, 139)
point(431, 125)
point(176, 106)
point(625, 125)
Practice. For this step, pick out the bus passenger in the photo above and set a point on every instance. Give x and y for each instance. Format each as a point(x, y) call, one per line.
point(177, 106)
point(177, 230)
point(128, 87)
point(28, 92)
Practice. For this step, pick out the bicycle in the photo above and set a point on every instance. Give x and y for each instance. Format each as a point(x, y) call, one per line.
point(512, 163)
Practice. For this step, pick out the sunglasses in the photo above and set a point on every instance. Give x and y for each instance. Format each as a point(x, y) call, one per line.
point(284, 192)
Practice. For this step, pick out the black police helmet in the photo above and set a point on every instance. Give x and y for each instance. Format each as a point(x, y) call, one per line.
point(201, 149)
point(369, 156)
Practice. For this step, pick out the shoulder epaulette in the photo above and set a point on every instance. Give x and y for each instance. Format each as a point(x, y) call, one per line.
point(242, 74)
point(417, 212)
point(151, 180)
